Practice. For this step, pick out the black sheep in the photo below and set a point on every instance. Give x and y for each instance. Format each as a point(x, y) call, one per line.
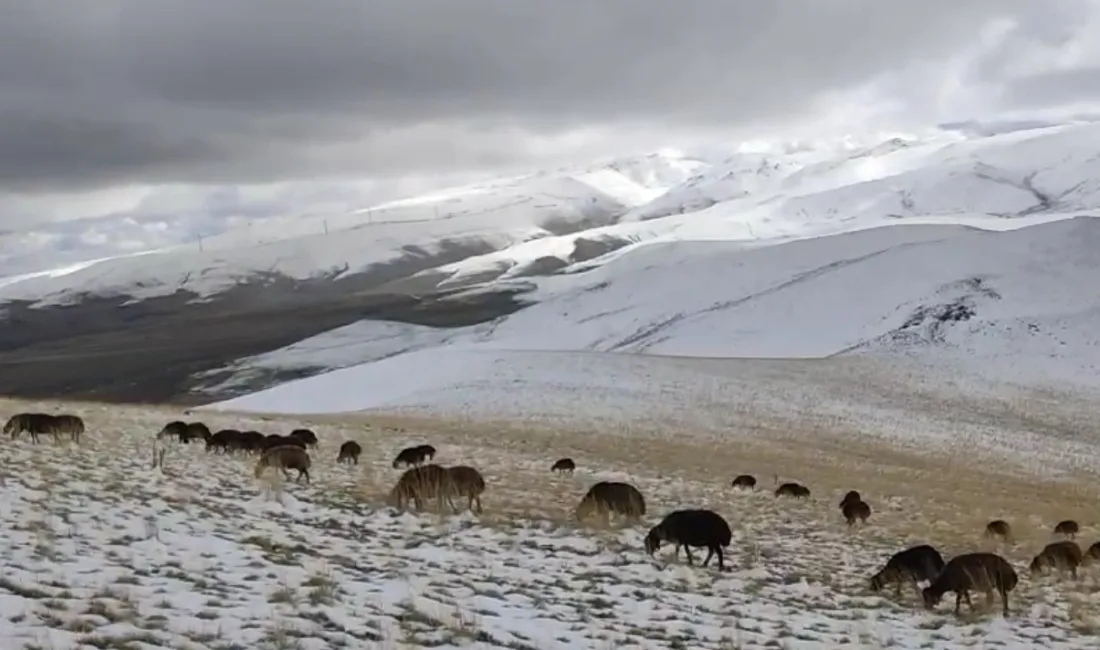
point(914, 564)
point(793, 490)
point(687, 528)
point(745, 482)
point(986, 572)
point(563, 465)
point(349, 452)
point(1069, 528)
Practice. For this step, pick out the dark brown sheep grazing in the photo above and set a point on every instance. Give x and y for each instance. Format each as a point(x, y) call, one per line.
point(986, 572)
point(286, 457)
point(793, 490)
point(687, 528)
point(563, 465)
point(1063, 556)
point(850, 497)
point(413, 456)
point(224, 441)
point(251, 442)
point(999, 528)
point(856, 510)
point(72, 425)
point(37, 424)
point(608, 497)
point(467, 482)
point(912, 565)
point(195, 431)
point(306, 436)
point(174, 429)
point(31, 423)
point(744, 482)
point(349, 452)
point(419, 484)
point(1069, 528)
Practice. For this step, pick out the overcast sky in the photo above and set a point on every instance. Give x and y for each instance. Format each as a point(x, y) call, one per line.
point(99, 100)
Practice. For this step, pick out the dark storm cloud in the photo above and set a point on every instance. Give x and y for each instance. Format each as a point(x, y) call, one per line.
point(112, 92)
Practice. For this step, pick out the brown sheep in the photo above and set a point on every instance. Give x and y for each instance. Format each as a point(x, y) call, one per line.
point(1069, 528)
point(999, 528)
point(1063, 556)
point(349, 452)
point(608, 497)
point(195, 431)
point(914, 564)
point(251, 442)
point(285, 457)
point(413, 456)
point(563, 465)
point(224, 441)
point(851, 497)
point(854, 510)
point(467, 482)
point(73, 425)
point(986, 572)
point(793, 490)
point(744, 482)
point(174, 429)
point(35, 424)
point(687, 528)
point(419, 484)
point(306, 436)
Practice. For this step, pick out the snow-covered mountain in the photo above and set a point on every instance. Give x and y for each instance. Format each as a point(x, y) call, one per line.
point(988, 182)
point(473, 218)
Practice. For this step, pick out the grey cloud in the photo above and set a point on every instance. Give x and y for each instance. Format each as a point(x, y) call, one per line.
point(150, 91)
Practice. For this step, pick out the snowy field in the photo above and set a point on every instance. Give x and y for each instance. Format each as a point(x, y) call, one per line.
point(101, 550)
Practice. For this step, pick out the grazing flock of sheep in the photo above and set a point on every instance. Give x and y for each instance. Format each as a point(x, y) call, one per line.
point(424, 481)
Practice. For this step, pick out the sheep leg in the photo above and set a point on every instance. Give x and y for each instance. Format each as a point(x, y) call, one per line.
point(286, 473)
point(958, 601)
point(477, 500)
point(710, 554)
point(1004, 601)
point(721, 559)
point(687, 552)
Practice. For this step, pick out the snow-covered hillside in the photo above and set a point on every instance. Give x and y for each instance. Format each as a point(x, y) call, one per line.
point(771, 196)
point(1018, 306)
point(549, 222)
point(480, 217)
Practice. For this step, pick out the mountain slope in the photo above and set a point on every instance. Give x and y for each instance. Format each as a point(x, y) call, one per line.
point(763, 198)
point(1017, 306)
point(474, 219)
